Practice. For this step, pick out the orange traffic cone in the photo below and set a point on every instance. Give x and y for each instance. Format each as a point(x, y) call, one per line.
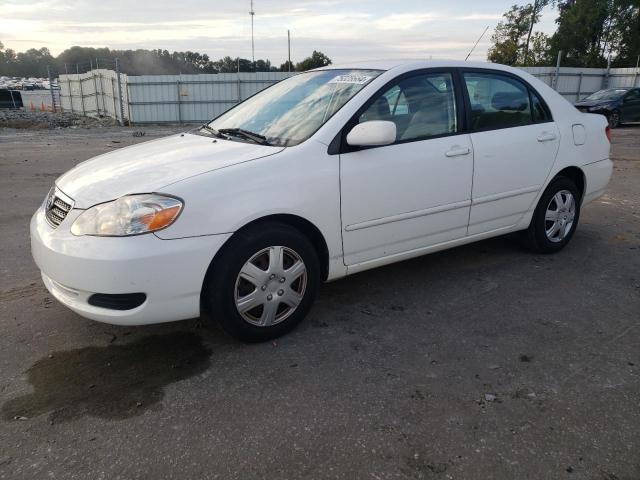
point(42, 109)
point(31, 107)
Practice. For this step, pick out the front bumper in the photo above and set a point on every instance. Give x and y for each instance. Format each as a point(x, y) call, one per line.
point(169, 272)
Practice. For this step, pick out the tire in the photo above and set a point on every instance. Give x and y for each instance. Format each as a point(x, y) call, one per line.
point(614, 119)
point(556, 218)
point(246, 289)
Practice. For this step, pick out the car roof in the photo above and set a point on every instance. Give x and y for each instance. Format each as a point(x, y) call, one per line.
point(559, 106)
point(412, 64)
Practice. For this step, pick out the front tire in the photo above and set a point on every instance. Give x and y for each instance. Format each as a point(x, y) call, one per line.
point(614, 119)
point(556, 217)
point(263, 282)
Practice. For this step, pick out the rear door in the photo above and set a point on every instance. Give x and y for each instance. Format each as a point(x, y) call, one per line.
point(515, 143)
point(416, 192)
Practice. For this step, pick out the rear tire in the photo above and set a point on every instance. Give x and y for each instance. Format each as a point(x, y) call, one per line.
point(263, 282)
point(556, 217)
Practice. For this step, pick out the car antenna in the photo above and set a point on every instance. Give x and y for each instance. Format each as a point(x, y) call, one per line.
point(476, 44)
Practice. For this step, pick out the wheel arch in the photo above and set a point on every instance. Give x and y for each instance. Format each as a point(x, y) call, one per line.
point(576, 175)
point(301, 224)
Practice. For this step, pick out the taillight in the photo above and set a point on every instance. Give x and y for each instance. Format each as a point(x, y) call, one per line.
point(607, 132)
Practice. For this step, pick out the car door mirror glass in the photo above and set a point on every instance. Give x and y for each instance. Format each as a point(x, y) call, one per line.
point(372, 133)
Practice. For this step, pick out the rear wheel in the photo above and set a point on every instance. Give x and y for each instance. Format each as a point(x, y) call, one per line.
point(556, 217)
point(263, 283)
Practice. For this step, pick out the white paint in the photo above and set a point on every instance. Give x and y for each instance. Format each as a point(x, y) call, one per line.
point(373, 133)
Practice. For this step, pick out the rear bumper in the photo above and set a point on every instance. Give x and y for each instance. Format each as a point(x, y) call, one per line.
point(169, 272)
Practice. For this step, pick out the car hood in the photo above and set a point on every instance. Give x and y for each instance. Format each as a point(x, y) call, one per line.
point(594, 103)
point(149, 166)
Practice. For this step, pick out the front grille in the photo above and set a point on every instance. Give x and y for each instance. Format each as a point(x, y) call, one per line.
point(56, 209)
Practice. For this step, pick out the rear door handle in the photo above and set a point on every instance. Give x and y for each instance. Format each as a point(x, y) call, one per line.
point(457, 150)
point(546, 137)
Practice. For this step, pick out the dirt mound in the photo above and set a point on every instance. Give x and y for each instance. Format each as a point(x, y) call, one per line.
point(48, 120)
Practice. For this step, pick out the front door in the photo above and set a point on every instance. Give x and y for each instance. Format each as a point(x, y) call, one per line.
point(415, 192)
point(515, 143)
point(631, 106)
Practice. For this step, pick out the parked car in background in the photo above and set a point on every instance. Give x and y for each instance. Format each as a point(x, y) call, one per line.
point(325, 174)
point(619, 105)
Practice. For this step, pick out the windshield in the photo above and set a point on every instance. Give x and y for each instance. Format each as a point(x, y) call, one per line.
point(291, 111)
point(610, 94)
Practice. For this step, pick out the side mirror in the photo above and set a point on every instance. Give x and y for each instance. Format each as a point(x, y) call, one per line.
point(372, 133)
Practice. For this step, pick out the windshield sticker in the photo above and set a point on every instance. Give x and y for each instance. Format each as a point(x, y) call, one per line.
point(353, 79)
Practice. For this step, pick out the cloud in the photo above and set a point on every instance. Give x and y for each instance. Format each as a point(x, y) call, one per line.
point(405, 21)
point(482, 16)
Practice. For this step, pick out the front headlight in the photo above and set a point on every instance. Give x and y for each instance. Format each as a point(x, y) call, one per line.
point(130, 215)
point(597, 107)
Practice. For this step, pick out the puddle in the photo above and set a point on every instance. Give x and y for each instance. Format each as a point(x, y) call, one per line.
point(113, 382)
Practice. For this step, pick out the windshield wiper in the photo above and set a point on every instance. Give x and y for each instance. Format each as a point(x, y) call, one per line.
point(215, 132)
point(240, 132)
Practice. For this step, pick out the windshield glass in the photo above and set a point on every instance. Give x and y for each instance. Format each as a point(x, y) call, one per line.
point(294, 109)
point(609, 94)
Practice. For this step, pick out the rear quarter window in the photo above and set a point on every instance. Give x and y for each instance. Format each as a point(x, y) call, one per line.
point(539, 111)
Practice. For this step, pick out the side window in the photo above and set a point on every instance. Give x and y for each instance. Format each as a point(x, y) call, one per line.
point(397, 101)
point(633, 96)
point(421, 106)
point(497, 101)
point(538, 110)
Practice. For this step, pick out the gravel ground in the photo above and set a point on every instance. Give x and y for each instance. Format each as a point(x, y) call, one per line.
point(480, 362)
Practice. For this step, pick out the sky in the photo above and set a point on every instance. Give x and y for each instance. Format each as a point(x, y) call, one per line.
point(345, 30)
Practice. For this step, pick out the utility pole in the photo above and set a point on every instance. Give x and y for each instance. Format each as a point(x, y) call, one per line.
point(53, 98)
point(253, 53)
point(120, 93)
point(289, 47)
point(605, 80)
point(557, 76)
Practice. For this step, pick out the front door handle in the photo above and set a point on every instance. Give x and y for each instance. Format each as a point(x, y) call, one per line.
point(546, 137)
point(457, 150)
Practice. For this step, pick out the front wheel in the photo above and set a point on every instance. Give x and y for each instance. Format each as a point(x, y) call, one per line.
point(263, 283)
point(614, 119)
point(556, 217)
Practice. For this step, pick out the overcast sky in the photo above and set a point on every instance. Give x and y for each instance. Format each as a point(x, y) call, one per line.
point(345, 30)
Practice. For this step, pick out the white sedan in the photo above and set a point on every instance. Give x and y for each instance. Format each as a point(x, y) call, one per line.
point(325, 174)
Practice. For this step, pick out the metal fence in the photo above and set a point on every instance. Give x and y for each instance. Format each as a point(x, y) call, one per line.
point(192, 98)
point(576, 83)
point(197, 98)
point(41, 100)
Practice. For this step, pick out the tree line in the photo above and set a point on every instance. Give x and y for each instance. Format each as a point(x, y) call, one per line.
point(588, 32)
point(34, 62)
